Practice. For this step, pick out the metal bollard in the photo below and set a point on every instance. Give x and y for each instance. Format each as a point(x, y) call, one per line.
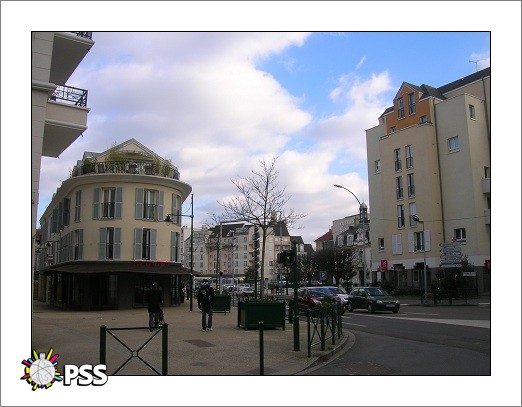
point(103, 344)
point(261, 349)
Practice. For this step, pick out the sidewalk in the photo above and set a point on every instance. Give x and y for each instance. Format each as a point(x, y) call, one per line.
point(481, 299)
point(227, 350)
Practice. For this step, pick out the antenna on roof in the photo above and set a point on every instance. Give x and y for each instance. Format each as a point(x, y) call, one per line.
point(476, 61)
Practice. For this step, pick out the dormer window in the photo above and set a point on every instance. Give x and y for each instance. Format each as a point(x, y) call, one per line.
point(411, 103)
point(400, 111)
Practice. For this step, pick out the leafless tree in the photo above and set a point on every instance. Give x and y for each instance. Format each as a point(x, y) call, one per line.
point(260, 197)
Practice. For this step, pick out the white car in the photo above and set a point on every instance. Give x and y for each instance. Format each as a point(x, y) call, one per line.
point(245, 291)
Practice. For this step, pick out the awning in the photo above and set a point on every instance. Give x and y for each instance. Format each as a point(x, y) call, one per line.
point(137, 266)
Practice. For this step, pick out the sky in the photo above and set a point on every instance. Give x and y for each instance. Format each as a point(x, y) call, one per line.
point(219, 86)
point(216, 103)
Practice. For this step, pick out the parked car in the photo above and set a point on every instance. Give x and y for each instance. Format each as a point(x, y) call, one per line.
point(338, 292)
point(245, 291)
point(228, 287)
point(373, 299)
point(309, 297)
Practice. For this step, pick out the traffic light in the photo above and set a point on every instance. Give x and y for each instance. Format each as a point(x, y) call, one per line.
point(256, 248)
point(286, 257)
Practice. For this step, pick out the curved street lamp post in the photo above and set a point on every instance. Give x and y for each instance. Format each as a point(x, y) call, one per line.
point(417, 219)
point(362, 216)
point(168, 219)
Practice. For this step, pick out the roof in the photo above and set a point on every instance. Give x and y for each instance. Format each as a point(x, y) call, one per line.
point(430, 91)
point(110, 267)
point(327, 236)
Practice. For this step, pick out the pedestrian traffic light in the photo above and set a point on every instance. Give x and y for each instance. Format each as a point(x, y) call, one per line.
point(286, 257)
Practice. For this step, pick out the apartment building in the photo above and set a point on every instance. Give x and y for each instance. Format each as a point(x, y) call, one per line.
point(58, 112)
point(104, 237)
point(351, 232)
point(429, 156)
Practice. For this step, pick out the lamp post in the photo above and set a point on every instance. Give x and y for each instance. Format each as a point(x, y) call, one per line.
point(168, 219)
point(416, 219)
point(362, 216)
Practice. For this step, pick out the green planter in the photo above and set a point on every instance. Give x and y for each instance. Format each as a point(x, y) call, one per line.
point(221, 304)
point(271, 313)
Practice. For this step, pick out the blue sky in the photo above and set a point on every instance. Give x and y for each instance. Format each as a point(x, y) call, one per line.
point(217, 103)
point(305, 97)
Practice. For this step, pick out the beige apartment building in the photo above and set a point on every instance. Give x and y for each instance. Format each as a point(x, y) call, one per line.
point(429, 156)
point(58, 112)
point(104, 238)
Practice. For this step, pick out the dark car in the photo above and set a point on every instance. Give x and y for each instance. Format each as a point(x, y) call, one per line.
point(309, 297)
point(373, 299)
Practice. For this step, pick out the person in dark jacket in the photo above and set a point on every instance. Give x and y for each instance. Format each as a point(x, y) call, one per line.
point(205, 298)
point(155, 304)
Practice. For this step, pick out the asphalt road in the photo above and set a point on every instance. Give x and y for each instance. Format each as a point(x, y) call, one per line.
point(431, 341)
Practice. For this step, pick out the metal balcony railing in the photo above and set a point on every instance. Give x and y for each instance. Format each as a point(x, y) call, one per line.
point(84, 34)
point(126, 167)
point(70, 95)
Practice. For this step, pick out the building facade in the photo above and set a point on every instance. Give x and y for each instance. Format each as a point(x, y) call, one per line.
point(58, 112)
point(429, 156)
point(104, 235)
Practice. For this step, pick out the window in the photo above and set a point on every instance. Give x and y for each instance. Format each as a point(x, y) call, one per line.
point(411, 103)
point(423, 119)
point(381, 244)
point(107, 243)
point(472, 112)
point(108, 202)
point(78, 244)
point(377, 166)
point(398, 187)
point(418, 241)
point(413, 211)
point(487, 173)
point(400, 216)
point(453, 144)
point(411, 185)
point(77, 206)
point(145, 245)
point(460, 235)
point(409, 156)
point(397, 159)
point(400, 104)
point(150, 204)
point(393, 129)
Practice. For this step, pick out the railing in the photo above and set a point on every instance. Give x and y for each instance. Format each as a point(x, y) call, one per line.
point(70, 95)
point(135, 353)
point(84, 34)
point(326, 323)
point(127, 167)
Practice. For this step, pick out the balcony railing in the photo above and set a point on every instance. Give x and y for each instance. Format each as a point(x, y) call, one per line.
point(84, 34)
point(126, 167)
point(70, 95)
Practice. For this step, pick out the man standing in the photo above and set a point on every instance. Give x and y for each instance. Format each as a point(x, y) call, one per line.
point(205, 300)
point(155, 304)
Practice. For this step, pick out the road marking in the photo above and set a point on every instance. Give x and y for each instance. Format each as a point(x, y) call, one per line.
point(477, 323)
point(417, 313)
point(349, 323)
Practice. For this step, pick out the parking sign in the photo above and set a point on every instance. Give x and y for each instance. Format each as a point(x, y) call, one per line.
point(322, 275)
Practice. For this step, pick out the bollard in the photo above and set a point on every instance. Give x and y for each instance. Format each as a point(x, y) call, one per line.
point(261, 349)
point(165, 349)
point(103, 344)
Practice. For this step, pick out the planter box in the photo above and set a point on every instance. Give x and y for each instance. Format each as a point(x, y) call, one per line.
point(221, 304)
point(250, 313)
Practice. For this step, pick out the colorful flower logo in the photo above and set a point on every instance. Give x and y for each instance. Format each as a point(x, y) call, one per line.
point(41, 371)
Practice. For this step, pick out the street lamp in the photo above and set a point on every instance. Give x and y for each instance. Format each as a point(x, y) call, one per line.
point(168, 219)
point(416, 219)
point(362, 215)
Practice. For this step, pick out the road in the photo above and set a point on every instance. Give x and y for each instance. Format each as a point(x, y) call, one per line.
point(430, 341)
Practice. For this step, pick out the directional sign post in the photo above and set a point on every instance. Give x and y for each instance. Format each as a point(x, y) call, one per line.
point(451, 255)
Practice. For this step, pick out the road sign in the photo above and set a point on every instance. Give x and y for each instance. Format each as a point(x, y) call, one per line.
point(322, 275)
point(450, 265)
point(469, 273)
point(455, 245)
point(451, 258)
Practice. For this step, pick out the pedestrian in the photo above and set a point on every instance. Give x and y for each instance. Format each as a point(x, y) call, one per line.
point(182, 293)
point(154, 307)
point(205, 298)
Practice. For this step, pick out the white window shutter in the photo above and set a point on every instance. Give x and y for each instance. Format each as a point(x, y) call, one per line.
point(427, 240)
point(411, 243)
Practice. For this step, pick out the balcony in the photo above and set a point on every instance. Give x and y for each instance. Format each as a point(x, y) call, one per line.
point(66, 119)
point(126, 167)
point(486, 185)
point(69, 49)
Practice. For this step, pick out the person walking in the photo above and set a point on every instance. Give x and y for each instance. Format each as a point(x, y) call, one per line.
point(154, 306)
point(205, 299)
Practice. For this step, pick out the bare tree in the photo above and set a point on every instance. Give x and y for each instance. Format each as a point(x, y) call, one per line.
point(260, 197)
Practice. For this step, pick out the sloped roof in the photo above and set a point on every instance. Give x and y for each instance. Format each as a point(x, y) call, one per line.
point(327, 236)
